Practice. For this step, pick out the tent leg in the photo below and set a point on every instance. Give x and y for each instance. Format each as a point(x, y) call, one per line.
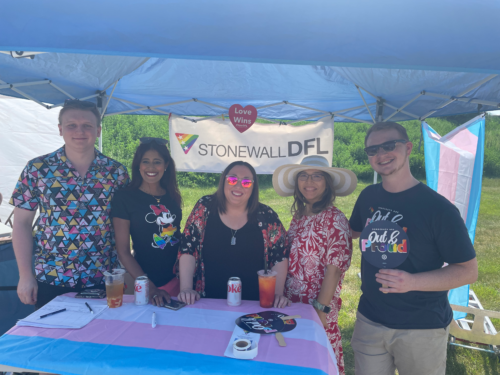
point(375, 175)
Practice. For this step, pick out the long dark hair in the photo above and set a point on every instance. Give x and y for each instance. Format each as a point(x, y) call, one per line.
point(219, 199)
point(168, 180)
point(299, 203)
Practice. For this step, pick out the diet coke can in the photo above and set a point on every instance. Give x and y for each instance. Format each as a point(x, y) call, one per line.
point(234, 291)
point(141, 290)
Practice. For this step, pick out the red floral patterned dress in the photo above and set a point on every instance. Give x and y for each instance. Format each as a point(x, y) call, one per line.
point(317, 241)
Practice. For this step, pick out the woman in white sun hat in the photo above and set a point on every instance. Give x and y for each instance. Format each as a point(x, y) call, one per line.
point(320, 238)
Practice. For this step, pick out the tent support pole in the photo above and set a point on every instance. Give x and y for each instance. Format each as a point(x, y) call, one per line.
point(84, 98)
point(490, 77)
point(11, 85)
point(402, 111)
point(211, 104)
point(380, 109)
point(109, 99)
point(375, 175)
point(405, 105)
point(463, 99)
point(61, 90)
point(270, 105)
point(103, 111)
point(29, 97)
point(309, 108)
point(366, 105)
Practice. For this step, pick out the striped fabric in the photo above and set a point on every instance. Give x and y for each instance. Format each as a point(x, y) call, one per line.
point(188, 341)
point(454, 168)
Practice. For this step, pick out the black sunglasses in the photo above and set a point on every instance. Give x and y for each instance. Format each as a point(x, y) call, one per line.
point(160, 141)
point(386, 146)
point(78, 103)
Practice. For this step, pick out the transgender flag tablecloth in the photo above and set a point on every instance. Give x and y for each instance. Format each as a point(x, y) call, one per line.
point(189, 341)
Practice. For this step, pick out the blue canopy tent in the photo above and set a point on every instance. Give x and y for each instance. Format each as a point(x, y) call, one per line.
point(360, 61)
point(357, 60)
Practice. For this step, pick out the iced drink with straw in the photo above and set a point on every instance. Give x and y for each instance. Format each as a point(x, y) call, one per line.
point(114, 287)
point(267, 287)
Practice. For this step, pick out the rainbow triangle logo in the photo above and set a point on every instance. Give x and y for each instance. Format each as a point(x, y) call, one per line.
point(186, 141)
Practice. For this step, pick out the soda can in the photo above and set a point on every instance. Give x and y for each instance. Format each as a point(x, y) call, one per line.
point(234, 291)
point(141, 290)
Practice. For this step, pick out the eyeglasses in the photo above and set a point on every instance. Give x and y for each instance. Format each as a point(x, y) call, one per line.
point(386, 146)
point(315, 177)
point(75, 103)
point(233, 180)
point(160, 141)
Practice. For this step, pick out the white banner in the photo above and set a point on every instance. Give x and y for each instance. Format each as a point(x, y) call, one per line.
point(211, 145)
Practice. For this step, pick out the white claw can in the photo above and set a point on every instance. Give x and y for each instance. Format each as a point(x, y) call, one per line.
point(141, 290)
point(234, 291)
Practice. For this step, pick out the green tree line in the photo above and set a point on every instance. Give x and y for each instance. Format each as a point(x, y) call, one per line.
point(121, 135)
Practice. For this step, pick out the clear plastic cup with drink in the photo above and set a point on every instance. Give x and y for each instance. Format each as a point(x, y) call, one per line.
point(267, 287)
point(114, 287)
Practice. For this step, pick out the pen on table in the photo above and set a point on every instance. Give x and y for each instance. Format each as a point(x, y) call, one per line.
point(153, 320)
point(52, 313)
point(90, 308)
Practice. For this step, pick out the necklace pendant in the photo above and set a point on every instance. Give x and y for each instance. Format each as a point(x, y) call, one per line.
point(233, 240)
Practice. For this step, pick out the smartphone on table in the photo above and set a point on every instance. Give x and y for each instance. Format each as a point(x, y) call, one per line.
point(174, 304)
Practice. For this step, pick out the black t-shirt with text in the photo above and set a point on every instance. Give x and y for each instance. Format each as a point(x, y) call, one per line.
point(436, 233)
point(155, 230)
point(223, 260)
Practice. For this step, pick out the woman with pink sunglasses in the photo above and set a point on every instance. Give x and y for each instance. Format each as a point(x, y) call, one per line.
point(230, 233)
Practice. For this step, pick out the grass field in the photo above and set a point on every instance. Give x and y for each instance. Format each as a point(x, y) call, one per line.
point(487, 244)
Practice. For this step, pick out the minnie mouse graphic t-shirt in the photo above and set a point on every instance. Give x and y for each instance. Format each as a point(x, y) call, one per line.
point(155, 230)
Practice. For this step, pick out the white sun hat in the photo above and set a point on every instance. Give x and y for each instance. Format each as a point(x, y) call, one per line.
point(344, 180)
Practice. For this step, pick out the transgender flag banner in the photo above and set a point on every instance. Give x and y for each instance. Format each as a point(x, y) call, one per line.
point(454, 168)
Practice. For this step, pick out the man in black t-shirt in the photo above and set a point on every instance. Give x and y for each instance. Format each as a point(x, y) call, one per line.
point(404, 324)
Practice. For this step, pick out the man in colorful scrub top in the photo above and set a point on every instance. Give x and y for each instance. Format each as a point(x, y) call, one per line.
point(73, 187)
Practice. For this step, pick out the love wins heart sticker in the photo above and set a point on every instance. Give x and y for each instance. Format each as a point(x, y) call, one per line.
point(242, 118)
point(384, 244)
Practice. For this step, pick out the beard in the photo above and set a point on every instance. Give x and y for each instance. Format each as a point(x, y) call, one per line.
point(396, 169)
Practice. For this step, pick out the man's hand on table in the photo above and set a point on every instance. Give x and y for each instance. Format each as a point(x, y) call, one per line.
point(189, 296)
point(281, 301)
point(27, 290)
point(158, 296)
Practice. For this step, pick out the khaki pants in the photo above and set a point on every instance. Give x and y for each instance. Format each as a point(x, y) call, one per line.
point(379, 350)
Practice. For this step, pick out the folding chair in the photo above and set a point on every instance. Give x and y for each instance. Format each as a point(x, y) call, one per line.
point(479, 331)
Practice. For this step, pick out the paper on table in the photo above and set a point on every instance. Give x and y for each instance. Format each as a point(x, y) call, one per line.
point(77, 315)
point(239, 333)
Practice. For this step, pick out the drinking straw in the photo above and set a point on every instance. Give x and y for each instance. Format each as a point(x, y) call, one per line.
point(265, 264)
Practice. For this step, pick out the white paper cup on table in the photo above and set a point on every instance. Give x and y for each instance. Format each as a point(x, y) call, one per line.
point(242, 345)
point(244, 349)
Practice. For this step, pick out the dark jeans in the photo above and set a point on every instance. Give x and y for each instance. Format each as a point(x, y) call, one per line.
point(47, 293)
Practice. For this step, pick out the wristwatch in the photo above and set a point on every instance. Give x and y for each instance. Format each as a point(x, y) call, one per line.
point(321, 307)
